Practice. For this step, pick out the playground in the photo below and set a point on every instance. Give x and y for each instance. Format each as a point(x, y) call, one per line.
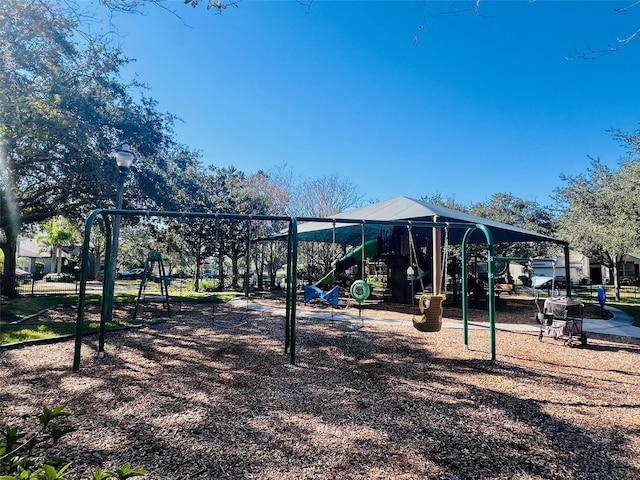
point(264, 387)
point(189, 398)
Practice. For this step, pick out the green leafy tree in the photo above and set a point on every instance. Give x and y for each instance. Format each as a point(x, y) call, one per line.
point(512, 210)
point(527, 214)
point(600, 214)
point(173, 248)
point(449, 202)
point(135, 243)
point(191, 187)
point(55, 234)
point(233, 193)
point(63, 111)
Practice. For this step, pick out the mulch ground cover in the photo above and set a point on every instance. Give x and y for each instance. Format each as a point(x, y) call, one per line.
point(188, 399)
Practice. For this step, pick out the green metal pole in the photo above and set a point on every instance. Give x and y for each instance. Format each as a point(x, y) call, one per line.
point(294, 285)
point(287, 321)
point(166, 281)
point(491, 301)
point(465, 289)
point(83, 284)
point(247, 260)
point(287, 324)
point(107, 289)
point(143, 283)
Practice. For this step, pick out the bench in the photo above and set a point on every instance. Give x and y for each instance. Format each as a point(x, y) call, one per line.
point(504, 288)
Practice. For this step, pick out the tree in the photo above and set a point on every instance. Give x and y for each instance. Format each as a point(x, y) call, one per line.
point(619, 44)
point(233, 193)
point(473, 8)
point(449, 202)
point(133, 6)
point(600, 214)
point(275, 188)
point(63, 111)
point(173, 249)
point(322, 197)
point(54, 235)
point(192, 192)
point(506, 208)
point(136, 242)
point(527, 214)
point(325, 196)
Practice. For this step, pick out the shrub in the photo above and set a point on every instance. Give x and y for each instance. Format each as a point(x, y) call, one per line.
point(205, 285)
point(208, 285)
point(23, 455)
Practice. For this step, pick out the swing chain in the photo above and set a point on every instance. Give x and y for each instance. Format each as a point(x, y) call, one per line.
point(443, 269)
point(413, 255)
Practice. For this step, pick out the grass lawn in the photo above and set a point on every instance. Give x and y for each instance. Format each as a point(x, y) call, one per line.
point(629, 303)
point(631, 309)
point(14, 310)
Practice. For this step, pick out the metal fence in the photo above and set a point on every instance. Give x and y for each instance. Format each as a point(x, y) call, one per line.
point(626, 291)
point(44, 287)
point(30, 287)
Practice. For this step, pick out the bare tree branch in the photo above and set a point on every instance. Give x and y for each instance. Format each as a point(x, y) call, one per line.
point(307, 5)
point(457, 11)
point(594, 54)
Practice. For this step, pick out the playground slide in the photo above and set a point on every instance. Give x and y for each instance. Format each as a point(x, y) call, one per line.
point(349, 260)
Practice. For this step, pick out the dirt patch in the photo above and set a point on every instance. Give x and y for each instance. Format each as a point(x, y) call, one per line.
point(192, 400)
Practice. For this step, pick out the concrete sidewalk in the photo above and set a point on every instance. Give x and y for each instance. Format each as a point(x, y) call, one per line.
point(621, 324)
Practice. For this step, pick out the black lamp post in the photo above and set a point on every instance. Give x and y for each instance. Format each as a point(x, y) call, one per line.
point(124, 160)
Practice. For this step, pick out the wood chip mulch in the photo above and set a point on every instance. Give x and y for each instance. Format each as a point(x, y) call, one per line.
point(189, 399)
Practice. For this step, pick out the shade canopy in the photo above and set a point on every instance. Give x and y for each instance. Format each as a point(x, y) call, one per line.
point(404, 209)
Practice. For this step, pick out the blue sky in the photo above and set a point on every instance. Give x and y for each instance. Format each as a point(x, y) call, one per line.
point(478, 105)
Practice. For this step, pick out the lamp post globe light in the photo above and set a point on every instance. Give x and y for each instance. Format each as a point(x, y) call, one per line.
point(124, 160)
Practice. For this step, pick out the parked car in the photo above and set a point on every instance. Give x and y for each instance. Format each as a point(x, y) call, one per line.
point(23, 276)
point(133, 274)
point(542, 282)
point(59, 277)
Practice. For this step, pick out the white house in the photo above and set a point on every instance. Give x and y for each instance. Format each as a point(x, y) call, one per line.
point(583, 269)
point(550, 267)
point(629, 271)
point(29, 253)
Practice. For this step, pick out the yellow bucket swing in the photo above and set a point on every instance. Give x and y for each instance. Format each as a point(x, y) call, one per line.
point(430, 305)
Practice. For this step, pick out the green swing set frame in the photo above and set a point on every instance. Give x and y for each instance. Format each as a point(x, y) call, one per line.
point(292, 261)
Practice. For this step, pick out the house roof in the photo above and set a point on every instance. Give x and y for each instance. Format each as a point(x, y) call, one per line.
point(29, 248)
point(404, 208)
